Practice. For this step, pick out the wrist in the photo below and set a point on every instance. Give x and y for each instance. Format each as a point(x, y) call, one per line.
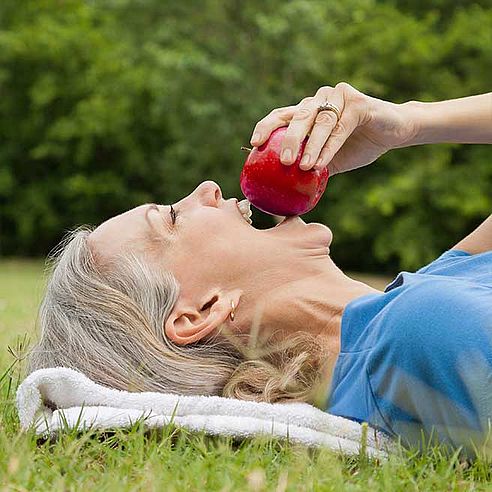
point(412, 114)
point(464, 120)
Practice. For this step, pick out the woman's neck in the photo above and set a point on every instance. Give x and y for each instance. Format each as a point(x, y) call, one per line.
point(313, 303)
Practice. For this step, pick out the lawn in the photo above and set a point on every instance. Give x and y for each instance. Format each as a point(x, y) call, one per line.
point(179, 460)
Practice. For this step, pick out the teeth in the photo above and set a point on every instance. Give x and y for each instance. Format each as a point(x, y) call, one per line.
point(245, 209)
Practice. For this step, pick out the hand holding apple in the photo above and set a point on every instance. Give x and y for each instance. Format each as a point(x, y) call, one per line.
point(368, 128)
point(278, 189)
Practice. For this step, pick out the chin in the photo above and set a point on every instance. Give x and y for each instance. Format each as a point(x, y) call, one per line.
point(321, 235)
point(324, 232)
point(315, 234)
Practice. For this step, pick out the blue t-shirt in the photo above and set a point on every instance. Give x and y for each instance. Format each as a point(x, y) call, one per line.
point(416, 360)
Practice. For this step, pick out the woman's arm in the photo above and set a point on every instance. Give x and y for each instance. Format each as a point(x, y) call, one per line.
point(369, 127)
point(465, 120)
point(479, 241)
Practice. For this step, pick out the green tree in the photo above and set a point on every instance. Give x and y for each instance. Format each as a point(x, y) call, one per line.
point(109, 104)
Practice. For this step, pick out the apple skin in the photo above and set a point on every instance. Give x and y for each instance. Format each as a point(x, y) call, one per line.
point(278, 189)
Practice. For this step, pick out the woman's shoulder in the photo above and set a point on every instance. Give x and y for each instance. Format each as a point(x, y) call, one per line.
point(461, 264)
point(436, 314)
point(429, 306)
point(440, 296)
point(446, 297)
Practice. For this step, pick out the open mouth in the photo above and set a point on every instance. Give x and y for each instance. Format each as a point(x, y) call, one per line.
point(244, 207)
point(291, 225)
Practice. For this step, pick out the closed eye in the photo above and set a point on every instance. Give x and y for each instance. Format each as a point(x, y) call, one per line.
point(173, 214)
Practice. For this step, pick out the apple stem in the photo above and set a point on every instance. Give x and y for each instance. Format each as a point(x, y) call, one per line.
point(246, 149)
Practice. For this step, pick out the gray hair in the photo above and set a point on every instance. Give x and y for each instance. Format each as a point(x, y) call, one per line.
point(107, 322)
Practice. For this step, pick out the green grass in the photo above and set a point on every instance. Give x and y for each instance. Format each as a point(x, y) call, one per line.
point(179, 460)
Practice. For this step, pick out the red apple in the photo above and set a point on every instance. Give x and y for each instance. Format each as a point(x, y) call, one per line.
point(278, 189)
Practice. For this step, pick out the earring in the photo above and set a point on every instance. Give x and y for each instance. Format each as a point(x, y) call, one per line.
point(232, 313)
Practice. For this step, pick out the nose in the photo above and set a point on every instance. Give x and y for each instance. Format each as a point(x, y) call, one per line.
point(207, 193)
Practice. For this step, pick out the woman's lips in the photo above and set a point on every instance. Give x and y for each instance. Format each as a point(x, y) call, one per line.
point(289, 220)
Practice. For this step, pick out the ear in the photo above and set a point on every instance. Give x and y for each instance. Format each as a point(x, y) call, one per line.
point(190, 322)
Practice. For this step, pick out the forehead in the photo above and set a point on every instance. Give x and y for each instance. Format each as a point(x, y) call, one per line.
point(131, 231)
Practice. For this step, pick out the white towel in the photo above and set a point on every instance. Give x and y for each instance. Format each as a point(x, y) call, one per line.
point(80, 403)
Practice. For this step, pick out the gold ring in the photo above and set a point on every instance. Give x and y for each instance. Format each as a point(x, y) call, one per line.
point(328, 106)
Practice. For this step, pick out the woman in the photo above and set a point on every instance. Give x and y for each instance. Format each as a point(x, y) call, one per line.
point(173, 297)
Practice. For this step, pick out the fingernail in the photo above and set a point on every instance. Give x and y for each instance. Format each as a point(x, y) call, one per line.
point(256, 137)
point(306, 158)
point(319, 163)
point(286, 155)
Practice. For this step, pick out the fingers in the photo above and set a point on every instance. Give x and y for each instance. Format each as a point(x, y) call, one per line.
point(275, 119)
point(302, 121)
point(326, 134)
point(324, 124)
point(345, 127)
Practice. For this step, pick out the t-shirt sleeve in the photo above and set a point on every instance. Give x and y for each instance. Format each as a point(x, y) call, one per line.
point(456, 263)
point(442, 262)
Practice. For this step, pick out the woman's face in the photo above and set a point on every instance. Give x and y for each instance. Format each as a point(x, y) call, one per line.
point(211, 245)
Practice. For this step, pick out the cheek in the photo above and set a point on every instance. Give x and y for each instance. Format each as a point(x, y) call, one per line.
point(210, 242)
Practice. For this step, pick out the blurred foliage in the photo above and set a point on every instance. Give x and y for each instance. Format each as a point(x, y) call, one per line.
point(107, 104)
